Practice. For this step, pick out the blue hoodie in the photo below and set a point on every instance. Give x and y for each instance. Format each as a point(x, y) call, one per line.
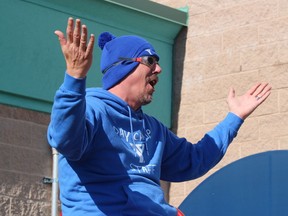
point(112, 158)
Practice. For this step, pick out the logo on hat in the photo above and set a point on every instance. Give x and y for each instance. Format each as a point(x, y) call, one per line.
point(149, 51)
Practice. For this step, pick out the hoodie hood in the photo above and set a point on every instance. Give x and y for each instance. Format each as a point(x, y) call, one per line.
point(114, 102)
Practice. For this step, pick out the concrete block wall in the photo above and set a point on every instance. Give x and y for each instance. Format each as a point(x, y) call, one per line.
point(230, 43)
point(25, 159)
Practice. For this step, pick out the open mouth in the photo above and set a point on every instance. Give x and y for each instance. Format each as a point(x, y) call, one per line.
point(153, 82)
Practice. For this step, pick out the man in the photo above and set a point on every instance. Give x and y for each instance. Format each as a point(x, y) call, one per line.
point(112, 155)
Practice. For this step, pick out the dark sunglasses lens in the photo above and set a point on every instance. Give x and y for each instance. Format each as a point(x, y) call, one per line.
point(150, 60)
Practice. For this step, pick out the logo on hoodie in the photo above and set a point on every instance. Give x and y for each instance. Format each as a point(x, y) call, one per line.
point(137, 140)
point(139, 148)
point(148, 169)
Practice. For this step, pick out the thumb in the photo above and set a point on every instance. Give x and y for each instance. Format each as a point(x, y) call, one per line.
point(61, 37)
point(231, 93)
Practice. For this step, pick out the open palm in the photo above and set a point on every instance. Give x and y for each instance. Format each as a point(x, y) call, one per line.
point(77, 52)
point(245, 104)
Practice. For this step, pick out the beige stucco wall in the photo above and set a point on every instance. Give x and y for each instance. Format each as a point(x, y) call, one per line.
point(231, 43)
point(25, 158)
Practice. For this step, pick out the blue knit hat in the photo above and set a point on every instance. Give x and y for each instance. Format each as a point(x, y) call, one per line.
point(115, 48)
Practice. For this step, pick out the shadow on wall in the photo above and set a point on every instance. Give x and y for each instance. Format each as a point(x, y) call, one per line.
point(178, 65)
point(255, 185)
point(179, 50)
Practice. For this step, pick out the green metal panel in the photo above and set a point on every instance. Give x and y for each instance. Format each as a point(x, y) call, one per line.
point(32, 66)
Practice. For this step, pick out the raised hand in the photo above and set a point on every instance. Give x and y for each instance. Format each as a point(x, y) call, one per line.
point(77, 52)
point(245, 104)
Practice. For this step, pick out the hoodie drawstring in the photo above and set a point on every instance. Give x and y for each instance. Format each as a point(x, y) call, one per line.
point(132, 132)
point(131, 129)
point(146, 146)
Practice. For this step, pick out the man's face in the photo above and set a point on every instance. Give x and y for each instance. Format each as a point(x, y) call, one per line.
point(142, 82)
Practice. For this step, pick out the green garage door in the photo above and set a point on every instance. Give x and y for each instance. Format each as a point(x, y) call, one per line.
point(32, 66)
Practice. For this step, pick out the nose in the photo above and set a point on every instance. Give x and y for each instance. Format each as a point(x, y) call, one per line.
point(157, 69)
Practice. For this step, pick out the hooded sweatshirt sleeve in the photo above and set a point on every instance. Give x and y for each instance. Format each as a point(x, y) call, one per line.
point(70, 130)
point(185, 161)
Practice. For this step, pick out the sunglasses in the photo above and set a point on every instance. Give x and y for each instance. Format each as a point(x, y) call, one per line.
point(149, 61)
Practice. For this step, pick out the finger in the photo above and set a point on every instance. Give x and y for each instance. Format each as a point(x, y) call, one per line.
point(263, 90)
point(252, 90)
point(76, 33)
point(258, 92)
point(231, 93)
point(264, 97)
point(69, 30)
point(83, 40)
point(89, 50)
point(61, 37)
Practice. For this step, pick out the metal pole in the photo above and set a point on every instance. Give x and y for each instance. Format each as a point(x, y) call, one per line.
point(54, 206)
